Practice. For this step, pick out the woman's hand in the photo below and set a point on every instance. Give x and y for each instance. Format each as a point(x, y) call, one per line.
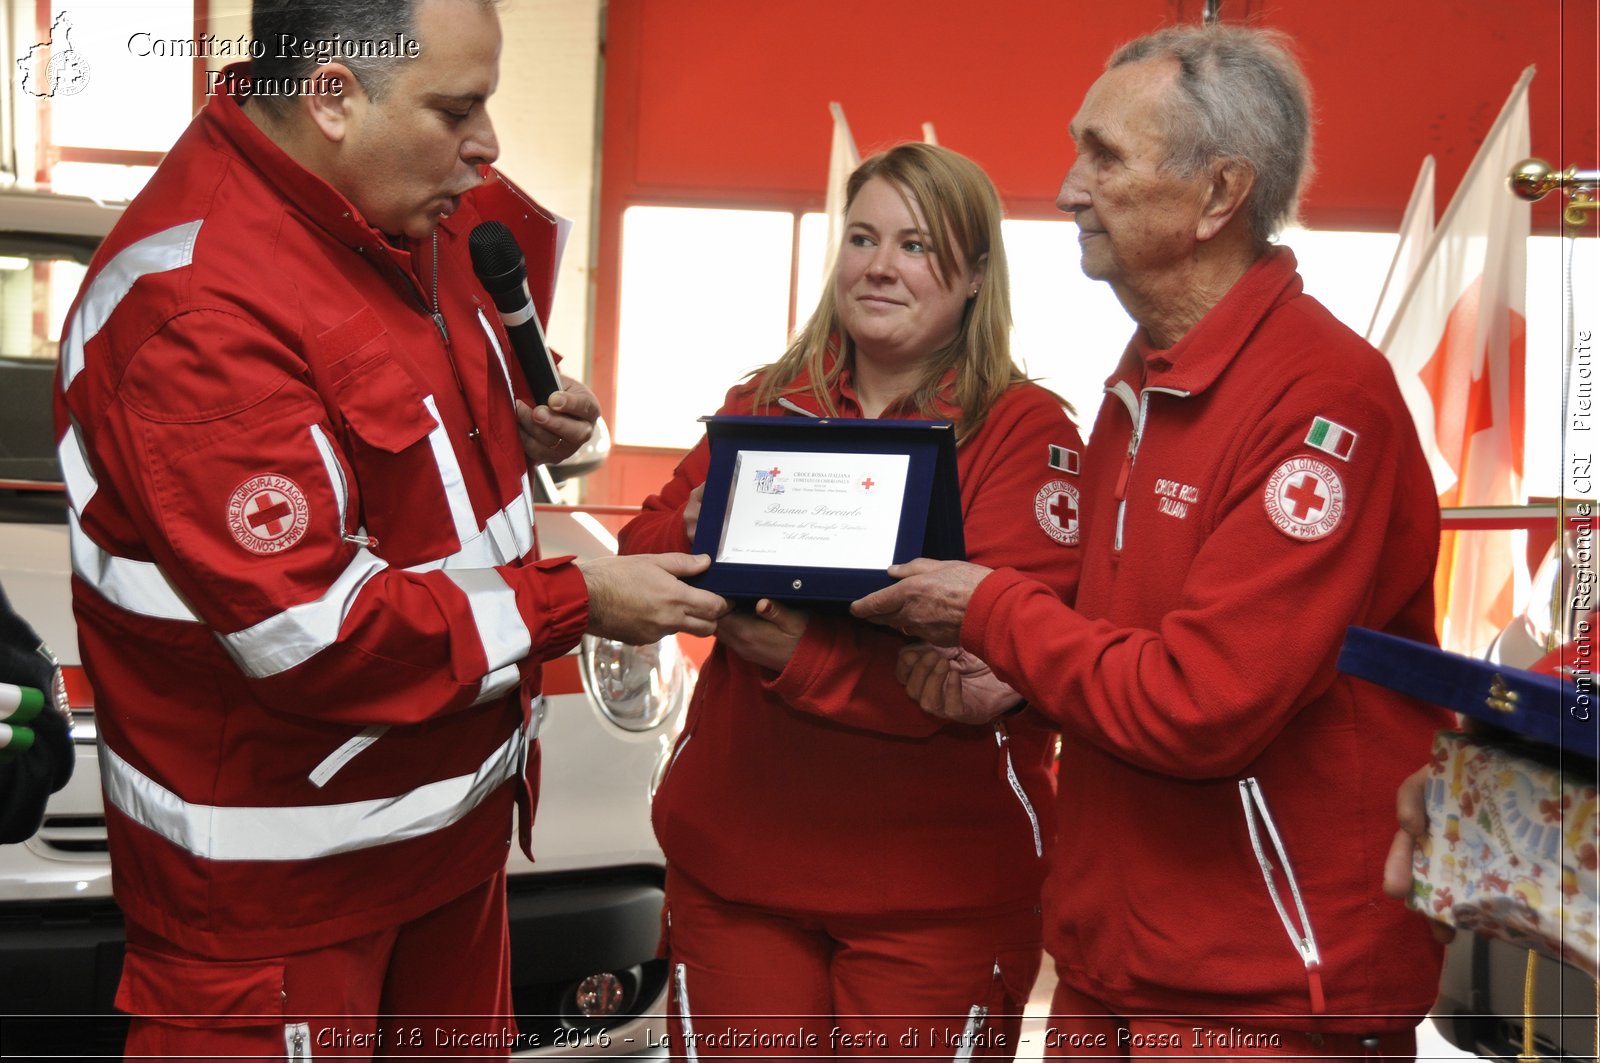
point(691, 511)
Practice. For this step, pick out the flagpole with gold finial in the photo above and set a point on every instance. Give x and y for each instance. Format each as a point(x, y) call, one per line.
point(1533, 179)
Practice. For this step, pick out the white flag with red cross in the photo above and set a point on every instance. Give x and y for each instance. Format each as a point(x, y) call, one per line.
point(1457, 345)
point(1416, 231)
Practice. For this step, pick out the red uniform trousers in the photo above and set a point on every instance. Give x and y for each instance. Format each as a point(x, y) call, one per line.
point(1082, 1027)
point(751, 982)
point(437, 986)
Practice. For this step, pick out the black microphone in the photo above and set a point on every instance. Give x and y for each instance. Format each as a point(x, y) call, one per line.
point(501, 269)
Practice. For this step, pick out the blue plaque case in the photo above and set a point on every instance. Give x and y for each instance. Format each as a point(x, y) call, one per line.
point(1543, 708)
point(930, 513)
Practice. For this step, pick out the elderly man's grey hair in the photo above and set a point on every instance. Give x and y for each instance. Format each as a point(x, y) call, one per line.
point(1241, 95)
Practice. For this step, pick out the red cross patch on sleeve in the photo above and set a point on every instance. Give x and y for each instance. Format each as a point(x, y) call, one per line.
point(268, 514)
point(1055, 507)
point(1304, 498)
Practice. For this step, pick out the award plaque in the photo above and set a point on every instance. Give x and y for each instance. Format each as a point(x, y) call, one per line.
point(816, 510)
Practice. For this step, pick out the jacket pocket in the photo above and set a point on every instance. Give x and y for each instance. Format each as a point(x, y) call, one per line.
point(383, 405)
point(201, 994)
point(414, 502)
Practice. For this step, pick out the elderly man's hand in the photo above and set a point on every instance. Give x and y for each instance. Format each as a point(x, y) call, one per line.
point(1412, 813)
point(553, 432)
point(766, 638)
point(953, 684)
point(639, 598)
point(929, 601)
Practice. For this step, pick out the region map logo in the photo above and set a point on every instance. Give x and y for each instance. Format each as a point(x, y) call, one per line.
point(52, 67)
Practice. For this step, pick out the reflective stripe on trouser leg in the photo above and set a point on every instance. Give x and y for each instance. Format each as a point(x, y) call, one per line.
point(680, 975)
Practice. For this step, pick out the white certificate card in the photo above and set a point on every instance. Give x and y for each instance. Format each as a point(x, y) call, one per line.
point(814, 509)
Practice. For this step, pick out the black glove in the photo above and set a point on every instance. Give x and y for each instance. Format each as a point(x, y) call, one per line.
point(29, 778)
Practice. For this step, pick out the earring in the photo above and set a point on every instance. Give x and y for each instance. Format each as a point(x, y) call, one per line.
point(974, 294)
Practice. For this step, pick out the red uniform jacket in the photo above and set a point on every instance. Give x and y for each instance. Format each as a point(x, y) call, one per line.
point(305, 573)
point(825, 788)
point(1269, 492)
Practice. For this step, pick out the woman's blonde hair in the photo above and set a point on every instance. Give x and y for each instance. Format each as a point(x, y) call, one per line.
point(962, 209)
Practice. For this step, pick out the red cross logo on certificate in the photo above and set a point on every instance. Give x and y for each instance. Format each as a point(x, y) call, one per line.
point(1304, 499)
point(268, 514)
point(867, 484)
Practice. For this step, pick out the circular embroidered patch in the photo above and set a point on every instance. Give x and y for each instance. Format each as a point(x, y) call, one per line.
point(1304, 498)
point(1055, 507)
point(268, 514)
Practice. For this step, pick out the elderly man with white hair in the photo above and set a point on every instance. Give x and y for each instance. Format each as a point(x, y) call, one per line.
point(1226, 796)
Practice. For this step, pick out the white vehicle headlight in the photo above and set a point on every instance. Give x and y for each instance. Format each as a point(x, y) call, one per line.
point(637, 687)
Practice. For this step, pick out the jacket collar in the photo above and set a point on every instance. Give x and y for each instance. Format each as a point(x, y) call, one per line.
point(848, 402)
point(308, 193)
point(1196, 361)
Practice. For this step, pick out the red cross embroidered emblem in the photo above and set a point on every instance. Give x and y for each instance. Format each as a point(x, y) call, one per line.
point(268, 514)
point(1055, 507)
point(1304, 498)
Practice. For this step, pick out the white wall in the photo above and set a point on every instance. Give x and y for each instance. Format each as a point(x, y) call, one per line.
point(546, 114)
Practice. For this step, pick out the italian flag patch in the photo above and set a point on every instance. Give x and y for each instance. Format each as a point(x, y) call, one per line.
point(1331, 438)
point(1064, 459)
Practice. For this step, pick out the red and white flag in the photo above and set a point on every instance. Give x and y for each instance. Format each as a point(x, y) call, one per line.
point(843, 158)
point(1416, 230)
point(1457, 345)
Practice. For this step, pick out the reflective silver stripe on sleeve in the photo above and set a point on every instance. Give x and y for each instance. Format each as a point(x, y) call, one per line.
point(75, 472)
point(501, 630)
point(303, 832)
point(511, 528)
point(507, 536)
point(166, 250)
point(300, 632)
point(455, 485)
point(137, 586)
point(141, 587)
point(498, 683)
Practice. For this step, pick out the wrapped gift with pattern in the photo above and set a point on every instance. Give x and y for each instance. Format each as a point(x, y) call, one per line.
point(1511, 846)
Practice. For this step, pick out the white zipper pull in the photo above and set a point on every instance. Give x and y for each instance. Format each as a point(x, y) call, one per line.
point(680, 977)
point(1302, 936)
point(297, 1038)
point(969, 1036)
